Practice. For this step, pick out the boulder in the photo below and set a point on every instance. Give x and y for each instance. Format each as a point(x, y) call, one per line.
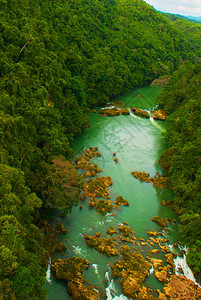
point(158, 115)
point(140, 112)
point(181, 288)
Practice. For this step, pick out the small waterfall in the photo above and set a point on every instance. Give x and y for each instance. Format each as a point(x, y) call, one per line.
point(133, 115)
point(48, 272)
point(151, 271)
point(180, 263)
point(96, 268)
point(111, 292)
point(78, 250)
point(157, 125)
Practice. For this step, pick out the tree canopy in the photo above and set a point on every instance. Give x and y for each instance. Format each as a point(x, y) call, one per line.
point(57, 60)
point(182, 100)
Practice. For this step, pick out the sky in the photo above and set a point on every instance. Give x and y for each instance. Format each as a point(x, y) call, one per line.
point(181, 7)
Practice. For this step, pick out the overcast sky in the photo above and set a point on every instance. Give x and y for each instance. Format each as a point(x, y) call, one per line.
point(182, 7)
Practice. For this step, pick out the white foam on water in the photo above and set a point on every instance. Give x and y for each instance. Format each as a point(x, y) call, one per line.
point(157, 125)
point(151, 271)
point(101, 223)
point(86, 229)
point(78, 250)
point(48, 272)
point(111, 292)
point(133, 115)
point(109, 107)
point(95, 266)
point(109, 217)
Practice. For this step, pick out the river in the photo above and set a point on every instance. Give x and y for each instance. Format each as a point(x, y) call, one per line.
point(138, 144)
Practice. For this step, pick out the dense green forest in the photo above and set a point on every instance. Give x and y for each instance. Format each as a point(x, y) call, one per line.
point(182, 101)
point(57, 60)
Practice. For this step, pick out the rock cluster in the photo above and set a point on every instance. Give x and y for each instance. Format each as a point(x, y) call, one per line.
point(114, 111)
point(132, 269)
point(158, 180)
point(101, 244)
point(71, 271)
point(158, 115)
point(83, 162)
point(121, 201)
point(140, 112)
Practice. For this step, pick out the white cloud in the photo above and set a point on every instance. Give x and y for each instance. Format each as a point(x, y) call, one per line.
point(182, 7)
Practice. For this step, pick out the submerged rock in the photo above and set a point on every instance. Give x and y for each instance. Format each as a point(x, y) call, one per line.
point(118, 103)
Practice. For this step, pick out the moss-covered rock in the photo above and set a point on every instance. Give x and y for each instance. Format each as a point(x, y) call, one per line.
point(158, 180)
point(112, 230)
point(113, 111)
point(92, 202)
point(126, 230)
point(132, 270)
point(71, 271)
point(103, 206)
point(121, 201)
point(160, 221)
point(97, 187)
point(103, 245)
point(83, 162)
point(158, 115)
point(140, 112)
point(153, 232)
point(181, 288)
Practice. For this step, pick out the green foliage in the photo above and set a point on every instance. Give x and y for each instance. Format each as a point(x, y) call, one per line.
point(62, 185)
point(58, 59)
point(19, 238)
point(182, 100)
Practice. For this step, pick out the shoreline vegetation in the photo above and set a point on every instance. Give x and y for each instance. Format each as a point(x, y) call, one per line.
point(57, 61)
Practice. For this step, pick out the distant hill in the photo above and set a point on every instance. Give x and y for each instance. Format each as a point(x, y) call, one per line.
point(174, 17)
point(197, 19)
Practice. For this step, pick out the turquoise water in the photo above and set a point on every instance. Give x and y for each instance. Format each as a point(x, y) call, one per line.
point(138, 143)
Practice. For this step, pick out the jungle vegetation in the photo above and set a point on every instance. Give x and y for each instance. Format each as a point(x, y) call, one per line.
point(182, 101)
point(57, 60)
